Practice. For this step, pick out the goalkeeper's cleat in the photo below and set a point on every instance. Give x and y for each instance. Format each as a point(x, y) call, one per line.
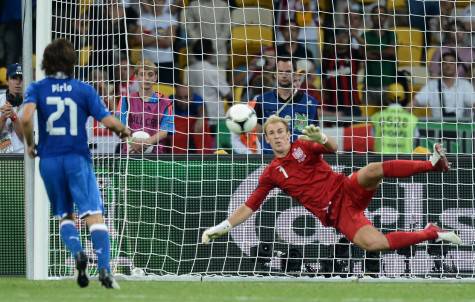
point(439, 159)
point(442, 235)
point(81, 269)
point(107, 280)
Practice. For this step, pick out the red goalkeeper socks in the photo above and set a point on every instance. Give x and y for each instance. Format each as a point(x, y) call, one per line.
point(405, 168)
point(399, 240)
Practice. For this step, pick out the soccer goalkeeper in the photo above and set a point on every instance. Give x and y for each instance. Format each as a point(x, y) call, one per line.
point(337, 200)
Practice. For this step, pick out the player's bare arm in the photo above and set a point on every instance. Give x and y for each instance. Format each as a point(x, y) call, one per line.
point(27, 124)
point(117, 127)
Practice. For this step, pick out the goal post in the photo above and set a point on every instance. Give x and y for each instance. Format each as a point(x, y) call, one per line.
point(158, 204)
point(37, 215)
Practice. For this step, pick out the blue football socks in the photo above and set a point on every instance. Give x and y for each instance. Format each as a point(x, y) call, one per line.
point(101, 244)
point(70, 236)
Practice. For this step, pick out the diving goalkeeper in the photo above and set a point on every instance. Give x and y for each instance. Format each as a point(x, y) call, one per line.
point(337, 200)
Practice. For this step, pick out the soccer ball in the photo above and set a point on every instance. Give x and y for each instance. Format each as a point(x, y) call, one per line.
point(241, 118)
point(143, 135)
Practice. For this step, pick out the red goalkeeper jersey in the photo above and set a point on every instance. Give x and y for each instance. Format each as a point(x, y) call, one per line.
point(303, 175)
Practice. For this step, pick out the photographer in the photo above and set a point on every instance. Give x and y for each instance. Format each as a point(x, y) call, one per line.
point(11, 134)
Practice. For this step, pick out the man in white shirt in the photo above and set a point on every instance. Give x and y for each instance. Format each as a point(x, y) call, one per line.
point(209, 19)
point(207, 81)
point(448, 96)
point(159, 27)
point(11, 134)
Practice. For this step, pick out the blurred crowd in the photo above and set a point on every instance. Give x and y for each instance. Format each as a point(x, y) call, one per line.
point(172, 68)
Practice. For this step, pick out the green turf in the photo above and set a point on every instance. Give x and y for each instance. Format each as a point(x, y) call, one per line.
point(16, 290)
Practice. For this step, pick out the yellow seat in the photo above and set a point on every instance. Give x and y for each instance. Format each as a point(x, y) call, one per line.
point(303, 18)
point(409, 46)
point(248, 40)
point(396, 4)
point(3, 76)
point(462, 3)
point(323, 5)
point(84, 54)
point(255, 3)
point(164, 89)
point(84, 6)
point(252, 16)
point(366, 2)
point(237, 94)
point(429, 54)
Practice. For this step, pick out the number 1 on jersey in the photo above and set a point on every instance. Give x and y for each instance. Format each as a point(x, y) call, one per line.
point(73, 113)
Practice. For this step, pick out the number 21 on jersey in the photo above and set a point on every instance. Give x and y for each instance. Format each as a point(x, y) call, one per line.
point(60, 105)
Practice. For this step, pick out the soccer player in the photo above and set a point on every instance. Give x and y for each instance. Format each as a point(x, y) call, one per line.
point(64, 104)
point(337, 200)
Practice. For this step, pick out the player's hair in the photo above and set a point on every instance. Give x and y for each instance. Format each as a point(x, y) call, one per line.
point(273, 119)
point(59, 56)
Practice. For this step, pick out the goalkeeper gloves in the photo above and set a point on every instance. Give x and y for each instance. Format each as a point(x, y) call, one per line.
point(216, 231)
point(313, 133)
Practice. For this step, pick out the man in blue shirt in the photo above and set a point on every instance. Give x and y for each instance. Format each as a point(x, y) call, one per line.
point(64, 105)
point(287, 101)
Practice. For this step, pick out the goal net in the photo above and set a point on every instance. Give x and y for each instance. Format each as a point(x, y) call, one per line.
point(387, 79)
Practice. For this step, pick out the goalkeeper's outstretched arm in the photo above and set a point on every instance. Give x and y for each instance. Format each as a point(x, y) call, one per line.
point(240, 215)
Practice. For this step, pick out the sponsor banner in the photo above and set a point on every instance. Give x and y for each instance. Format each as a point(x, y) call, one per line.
point(158, 209)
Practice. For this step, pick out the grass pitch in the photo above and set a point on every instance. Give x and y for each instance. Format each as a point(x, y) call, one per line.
point(21, 290)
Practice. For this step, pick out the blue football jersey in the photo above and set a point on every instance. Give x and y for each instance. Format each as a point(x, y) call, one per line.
point(63, 107)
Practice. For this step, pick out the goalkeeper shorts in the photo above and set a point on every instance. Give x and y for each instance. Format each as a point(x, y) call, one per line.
point(353, 203)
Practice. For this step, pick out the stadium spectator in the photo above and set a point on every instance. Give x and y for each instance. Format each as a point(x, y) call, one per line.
point(292, 48)
point(395, 127)
point(305, 78)
point(125, 77)
point(147, 110)
point(101, 140)
point(10, 32)
point(105, 89)
point(448, 96)
point(158, 30)
point(11, 133)
point(65, 159)
point(209, 19)
point(110, 26)
point(287, 101)
point(207, 81)
point(192, 133)
point(356, 25)
point(467, 17)
point(456, 40)
point(421, 11)
point(188, 105)
point(304, 14)
point(259, 65)
point(340, 65)
point(380, 53)
point(338, 201)
point(439, 24)
point(259, 85)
